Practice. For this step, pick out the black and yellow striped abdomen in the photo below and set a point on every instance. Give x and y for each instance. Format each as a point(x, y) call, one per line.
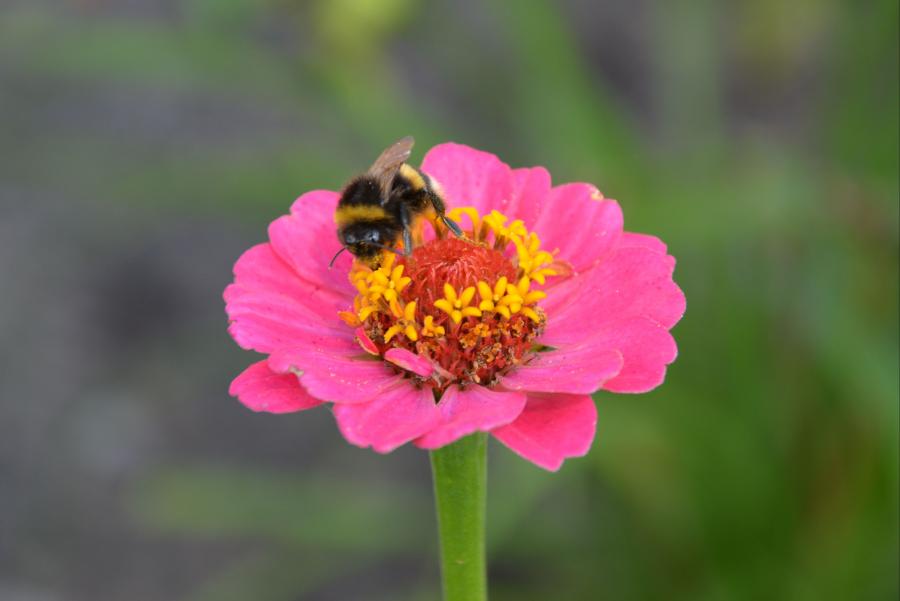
point(345, 215)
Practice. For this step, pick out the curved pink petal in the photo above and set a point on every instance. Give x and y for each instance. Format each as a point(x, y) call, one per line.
point(338, 376)
point(366, 343)
point(261, 389)
point(646, 347)
point(475, 409)
point(469, 177)
point(528, 195)
point(417, 364)
point(632, 282)
point(552, 428)
point(638, 282)
point(570, 295)
point(633, 240)
point(261, 269)
point(269, 307)
point(574, 370)
point(307, 240)
point(393, 418)
point(580, 223)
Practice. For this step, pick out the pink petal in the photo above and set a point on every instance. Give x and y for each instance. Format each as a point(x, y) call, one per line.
point(261, 389)
point(471, 410)
point(638, 282)
point(269, 307)
point(529, 194)
point(633, 282)
point(646, 347)
point(469, 177)
point(307, 240)
point(574, 370)
point(562, 294)
point(365, 342)
point(578, 222)
point(553, 427)
point(408, 360)
point(339, 376)
point(627, 303)
point(633, 240)
point(391, 419)
point(260, 269)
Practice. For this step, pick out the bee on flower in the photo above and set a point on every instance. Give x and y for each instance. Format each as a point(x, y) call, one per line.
point(501, 309)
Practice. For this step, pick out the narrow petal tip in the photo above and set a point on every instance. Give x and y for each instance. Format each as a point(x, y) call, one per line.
point(410, 361)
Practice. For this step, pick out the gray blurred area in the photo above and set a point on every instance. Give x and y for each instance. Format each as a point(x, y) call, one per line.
point(144, 144)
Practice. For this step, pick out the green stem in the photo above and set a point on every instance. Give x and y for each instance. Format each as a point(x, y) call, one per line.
point(460, 485)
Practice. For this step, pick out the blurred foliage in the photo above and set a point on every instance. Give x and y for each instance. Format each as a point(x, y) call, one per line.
point(767, 465)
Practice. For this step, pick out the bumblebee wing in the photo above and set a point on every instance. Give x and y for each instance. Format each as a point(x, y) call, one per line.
point(386, 166)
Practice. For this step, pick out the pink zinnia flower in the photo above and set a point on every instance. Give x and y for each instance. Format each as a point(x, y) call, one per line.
point(507, 332)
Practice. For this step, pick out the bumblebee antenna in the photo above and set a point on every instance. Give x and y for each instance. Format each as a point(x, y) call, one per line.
point(334, 258)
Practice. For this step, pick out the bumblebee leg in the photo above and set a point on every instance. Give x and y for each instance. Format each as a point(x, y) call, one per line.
point(407, 234)
point(452, 225)
point(407, 242)
point(438, 203)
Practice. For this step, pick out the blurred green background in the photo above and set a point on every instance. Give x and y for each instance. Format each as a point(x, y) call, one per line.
point(144, 144)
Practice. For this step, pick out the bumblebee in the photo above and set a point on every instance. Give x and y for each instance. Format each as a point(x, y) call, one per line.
point(379, 208)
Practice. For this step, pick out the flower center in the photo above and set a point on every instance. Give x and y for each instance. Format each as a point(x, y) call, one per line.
point(459, 263)
point(468, 307)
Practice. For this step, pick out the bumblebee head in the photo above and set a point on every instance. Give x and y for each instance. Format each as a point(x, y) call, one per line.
point(365, 242)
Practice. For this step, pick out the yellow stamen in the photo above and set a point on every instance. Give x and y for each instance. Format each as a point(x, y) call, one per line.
point(430, 330)
point(366, 311)
point(392, 331)
point(503, 233)
point(350, 318)
point(361, 311)
point(457, 213)
point(519, 293)
point(497, 222)
point(406, 321)
point(457, 306)
point(531, 314)
point(501, 298)
point(531, 258)
point(387, 283)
